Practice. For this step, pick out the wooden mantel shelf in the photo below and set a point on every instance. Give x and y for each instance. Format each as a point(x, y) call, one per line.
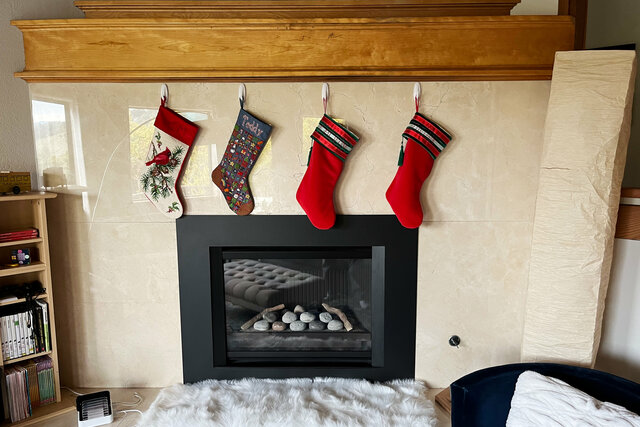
point(217, 49)
point(291, 8)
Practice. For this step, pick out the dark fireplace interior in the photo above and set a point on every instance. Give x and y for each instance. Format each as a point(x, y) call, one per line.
point(339, 302)
point(303, 278)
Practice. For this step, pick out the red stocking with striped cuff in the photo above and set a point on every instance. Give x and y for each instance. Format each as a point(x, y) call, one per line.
point(424, 140)
point(332, 143)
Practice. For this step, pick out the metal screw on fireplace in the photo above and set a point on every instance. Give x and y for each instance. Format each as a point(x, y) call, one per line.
point(454, 341)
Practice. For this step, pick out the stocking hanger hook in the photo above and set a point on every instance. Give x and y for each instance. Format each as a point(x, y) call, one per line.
point(325, 96)
point(242, 94)
point(164, 94)
point(416, 95)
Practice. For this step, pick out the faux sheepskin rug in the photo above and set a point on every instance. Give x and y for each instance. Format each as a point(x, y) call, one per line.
point(294, 402)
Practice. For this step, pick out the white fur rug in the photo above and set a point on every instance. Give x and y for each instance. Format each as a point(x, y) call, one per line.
point(294, 402)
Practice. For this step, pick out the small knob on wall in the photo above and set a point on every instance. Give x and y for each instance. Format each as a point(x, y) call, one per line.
point(454, 341)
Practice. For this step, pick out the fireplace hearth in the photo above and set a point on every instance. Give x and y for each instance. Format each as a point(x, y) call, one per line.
point(271, 296)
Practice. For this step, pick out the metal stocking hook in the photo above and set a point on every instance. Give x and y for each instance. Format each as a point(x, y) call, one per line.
point(242, 94)
point(416, 95)
point(325, 96)
point(164, 94)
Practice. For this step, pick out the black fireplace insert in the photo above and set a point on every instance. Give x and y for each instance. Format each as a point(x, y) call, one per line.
point(271, 296)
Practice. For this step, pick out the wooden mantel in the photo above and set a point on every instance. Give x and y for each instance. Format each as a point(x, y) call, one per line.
point(392, 48)
point(246, 9)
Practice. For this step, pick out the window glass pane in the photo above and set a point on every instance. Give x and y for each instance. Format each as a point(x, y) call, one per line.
point(53, 143)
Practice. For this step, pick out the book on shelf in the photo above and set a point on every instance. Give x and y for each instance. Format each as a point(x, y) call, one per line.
point(44, 326)
point(11, 236)
point(27, 386)
point(24, 329)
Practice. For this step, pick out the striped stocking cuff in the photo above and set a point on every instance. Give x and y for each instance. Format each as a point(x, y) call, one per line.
point(334, 137)
point(430, 135)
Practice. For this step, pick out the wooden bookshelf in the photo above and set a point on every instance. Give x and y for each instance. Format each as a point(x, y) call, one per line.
point(25, 211)
point(24, 242)
point(23, 269)
point(27, 357)
point(66, 403)
point(19, 300)
point(31, 195)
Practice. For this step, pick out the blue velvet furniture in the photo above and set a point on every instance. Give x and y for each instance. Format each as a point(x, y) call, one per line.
point(483, 398)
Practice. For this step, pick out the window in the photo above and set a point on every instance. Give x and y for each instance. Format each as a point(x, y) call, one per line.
point(60, 162)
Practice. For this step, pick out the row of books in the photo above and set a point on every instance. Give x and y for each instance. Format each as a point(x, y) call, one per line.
point(24, 329)
point(12, 236)
point(27, 386)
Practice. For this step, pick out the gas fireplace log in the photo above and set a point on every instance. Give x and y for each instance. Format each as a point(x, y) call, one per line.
point(258, 316)
point(347, 325)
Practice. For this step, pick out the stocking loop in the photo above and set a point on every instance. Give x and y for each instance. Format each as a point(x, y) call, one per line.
point(242, 94)
point(325, 96)
point(164, 94)
point(416, 95)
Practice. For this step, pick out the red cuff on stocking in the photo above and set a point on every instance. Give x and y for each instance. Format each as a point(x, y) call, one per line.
point(175, 125)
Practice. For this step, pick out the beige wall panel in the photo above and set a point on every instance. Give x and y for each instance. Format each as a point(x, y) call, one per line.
point(586, 136)
point(472, 283)
point(114, 255)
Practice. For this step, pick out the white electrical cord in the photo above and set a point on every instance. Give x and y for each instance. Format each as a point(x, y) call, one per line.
point(125, 412)
point(131, 404)
point(73, 391)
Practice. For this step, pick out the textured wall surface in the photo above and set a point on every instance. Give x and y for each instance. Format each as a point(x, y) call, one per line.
point(114, 255)
point(16, 134)
point(586, 136)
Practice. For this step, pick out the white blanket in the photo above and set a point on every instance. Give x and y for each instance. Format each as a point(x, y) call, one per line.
point(294, 402)
point(548, 402)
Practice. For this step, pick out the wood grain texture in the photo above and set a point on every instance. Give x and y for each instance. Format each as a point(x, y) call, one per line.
point(152, 49)
point(628, 225)
point(578, 10)
point(444, 399)
point(630, 192)
point(291, 8)
point(563, 7)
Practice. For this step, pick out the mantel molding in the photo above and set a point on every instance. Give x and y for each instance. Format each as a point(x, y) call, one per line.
point(291, 8)
point(423, 48)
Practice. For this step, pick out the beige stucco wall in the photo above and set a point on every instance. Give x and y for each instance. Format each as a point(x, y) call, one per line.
point(114, 256)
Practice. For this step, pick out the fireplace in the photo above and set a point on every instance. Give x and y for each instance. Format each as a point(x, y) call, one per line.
point(338, 302)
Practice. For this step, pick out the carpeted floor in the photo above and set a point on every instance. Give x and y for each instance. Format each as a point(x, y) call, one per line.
point(293, 402)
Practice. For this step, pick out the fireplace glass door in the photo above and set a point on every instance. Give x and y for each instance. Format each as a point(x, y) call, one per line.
point(298, 304)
